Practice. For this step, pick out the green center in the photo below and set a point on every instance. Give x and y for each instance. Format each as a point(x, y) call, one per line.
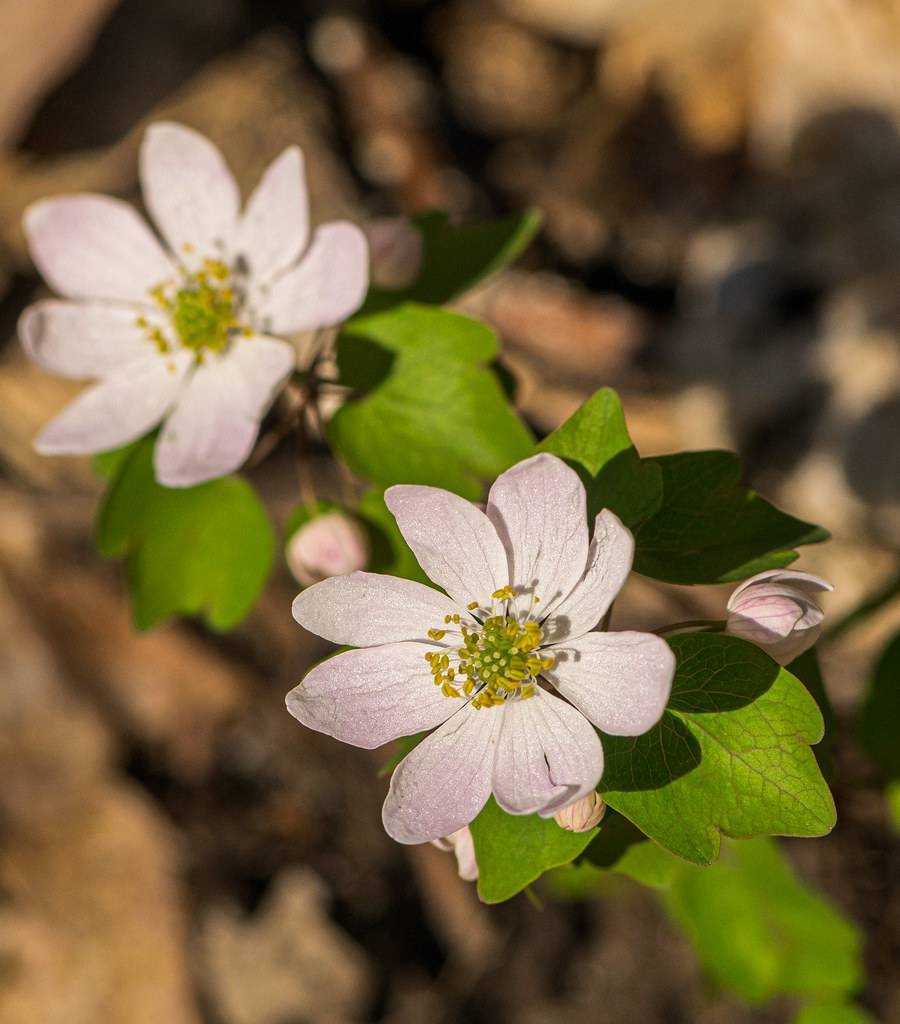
point(203, 317)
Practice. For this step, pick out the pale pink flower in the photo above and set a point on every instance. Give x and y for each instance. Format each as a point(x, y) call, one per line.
point(504, 666)
point(328, 545)
point(189, 332)
point(583, 815)
point(777, 611)
point(461, 843)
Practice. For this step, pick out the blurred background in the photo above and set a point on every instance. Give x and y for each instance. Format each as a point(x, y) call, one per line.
point(721, 192)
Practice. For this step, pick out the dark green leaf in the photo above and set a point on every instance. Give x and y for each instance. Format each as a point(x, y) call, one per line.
point(710, 529)
point(457, 257)
point(594, 441)
point(514, 850)
point(390, 554)
point(731, 754)
point(197, 550)
point(806, 669)
point(428, 408)
point(760, 931)
point(880, 719)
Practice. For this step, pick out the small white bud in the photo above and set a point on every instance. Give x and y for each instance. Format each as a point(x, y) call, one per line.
point(583, 815)
point(328, 545)
point(776, 611)
point(460, 842)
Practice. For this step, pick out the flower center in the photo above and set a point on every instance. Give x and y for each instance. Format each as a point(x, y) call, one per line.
point(494, 662)
point(202, 308)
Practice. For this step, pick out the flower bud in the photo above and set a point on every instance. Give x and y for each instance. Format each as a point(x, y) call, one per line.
point(776, 611)
point(583, 815)
point(460, 842)
point(395, 251)
point(330, 544)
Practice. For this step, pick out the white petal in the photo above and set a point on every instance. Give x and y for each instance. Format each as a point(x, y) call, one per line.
point(371, 696)
point(608, 565)
point(120, 409)
point(189, 191)
point(86, 339)
point(324, 288)
point(95, 247)
point(274, 227)
point(215, 424)
point(364, 608)
point(454, 541)
point(442, 785)
point(788, 578)
point(539, 510)
point(621, 681)
point(548, 756)
point(766, 618)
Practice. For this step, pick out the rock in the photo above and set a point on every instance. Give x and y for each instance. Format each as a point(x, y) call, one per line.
point(288, 961)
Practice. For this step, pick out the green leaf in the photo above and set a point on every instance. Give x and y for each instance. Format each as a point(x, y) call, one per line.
point(834, 1013)
point(428, 409)
point(457, 257)
point(892, 795)
point(710, 529)
point(389, 552)
point(880, 716)
point(731, 754)
point(107, 464)
point(623, 848)
point(760, 931)
point(197, 550)
point(514, 850)
point(806, 669)
point(594, 441)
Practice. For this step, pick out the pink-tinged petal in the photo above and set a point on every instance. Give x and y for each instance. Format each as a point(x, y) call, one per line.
point(539, 511)
point(371, 696)
point(120, 409)
point(86, 339)
point(442, 785)
point(548, 756)
point(189, 191)
point(791, 647)
point(620, 681)
point(324, 288)
point(364, 609)
point(766, 618)
point(216, 422)
point(784, 579)
point(95, 247)
point(332, 544)
point(609, 562)
point(454, 541)
point(274, 227)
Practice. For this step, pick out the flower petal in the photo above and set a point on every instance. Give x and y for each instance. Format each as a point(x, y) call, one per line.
point(216, 422)
point(118, 410)
point(609, 563)
point(443, 784)
point(454, 541)
point(95, 247)
point(274, 227)
point(789, 578)
point(539, 510)
point(620, 681)
point(324, 288)
point(371, 696)
point(85, 339)
point(767, 618)
point(364, 608)
point(189, 191)
point(548, 756)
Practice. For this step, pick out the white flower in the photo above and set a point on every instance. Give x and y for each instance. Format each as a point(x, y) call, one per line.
point(462, 844)
point(331, 544)
point(583, 815)
point(488, 663)
point(189, 334)
point(777, 611)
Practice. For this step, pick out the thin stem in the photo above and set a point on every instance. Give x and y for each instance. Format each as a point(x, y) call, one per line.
point(701, 625)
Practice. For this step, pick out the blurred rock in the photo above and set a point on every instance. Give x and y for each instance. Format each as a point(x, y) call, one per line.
point(41, 41)
point(287, 962)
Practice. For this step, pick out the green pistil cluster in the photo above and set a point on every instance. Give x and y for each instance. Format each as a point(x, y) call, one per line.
point(202, 311)
point(495, 662)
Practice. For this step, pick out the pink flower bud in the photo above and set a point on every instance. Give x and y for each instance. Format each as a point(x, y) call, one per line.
point(583, 815)
point(328, 545)
point(395, 251)
point(460, 842)
point(776, 610)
